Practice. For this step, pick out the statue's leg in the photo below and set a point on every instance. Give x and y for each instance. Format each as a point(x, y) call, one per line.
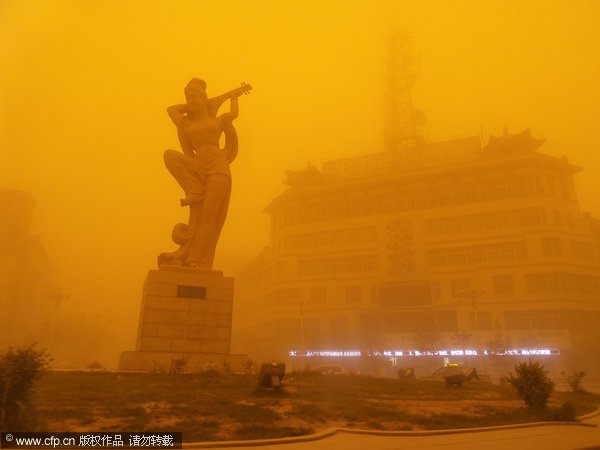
point(214, 207)
point(222, 213)
point(219, 221)
point(182, 167)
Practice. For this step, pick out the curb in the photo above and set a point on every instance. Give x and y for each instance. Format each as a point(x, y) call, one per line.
point(463, 430)
point(331, 431)
point(259, 442)
point(589, 415)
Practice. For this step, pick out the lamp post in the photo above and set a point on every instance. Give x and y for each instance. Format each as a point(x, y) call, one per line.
point(57, 296)
point(300, 302)
point(474, 294)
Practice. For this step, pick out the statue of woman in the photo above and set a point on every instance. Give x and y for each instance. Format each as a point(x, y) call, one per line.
point(203, 172)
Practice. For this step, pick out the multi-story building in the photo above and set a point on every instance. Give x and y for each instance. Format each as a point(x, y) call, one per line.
point(27, 308)
point(450, 243)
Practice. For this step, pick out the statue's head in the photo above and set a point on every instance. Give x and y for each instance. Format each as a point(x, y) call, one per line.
point(195, 94)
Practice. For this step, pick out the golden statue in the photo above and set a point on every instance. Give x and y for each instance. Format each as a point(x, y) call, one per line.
point(203, 172)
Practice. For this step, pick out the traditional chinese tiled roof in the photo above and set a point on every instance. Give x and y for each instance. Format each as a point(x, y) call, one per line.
point(512, 143)
point(310, 175)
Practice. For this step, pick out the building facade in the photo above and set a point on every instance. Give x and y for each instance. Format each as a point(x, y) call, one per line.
point(449, 244)
point(27, 308)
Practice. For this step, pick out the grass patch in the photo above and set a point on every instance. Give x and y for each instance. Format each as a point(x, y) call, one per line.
point(230, 407)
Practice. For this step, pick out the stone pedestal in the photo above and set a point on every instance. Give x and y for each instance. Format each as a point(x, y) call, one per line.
point(185, 314)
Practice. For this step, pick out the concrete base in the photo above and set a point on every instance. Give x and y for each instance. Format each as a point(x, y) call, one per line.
point(185, 313)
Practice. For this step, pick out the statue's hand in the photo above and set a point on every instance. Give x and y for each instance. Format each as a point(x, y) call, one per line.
point(245, 88)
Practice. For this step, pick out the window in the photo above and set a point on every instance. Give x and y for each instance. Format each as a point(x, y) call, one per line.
point(345, 264)
point(447, 321)
point(488, 221)
point(353, 294)
point(434, 226)
point(453, 225)
point(437, 257)
point(471, 223)
point(369, 323)
point(408, 322)
point(564, 188)
point(460, 288)
point(312, 331)
point(475, 254)
point(538, 283)
point(513, 251)
point(279, 269)
point(542, 282)
point(408, 294)
point(516, 320)
point(339, 326)
point(545, 320)
point(557, 219)
point(570, 220)
point(582, 250)
point(526, 217)
point(318, 294)
point(551, 246)
point(494, 188)
point(456, 256)
point(503, 284)
point(536, 319)
point(481, 321)
point(281, 297)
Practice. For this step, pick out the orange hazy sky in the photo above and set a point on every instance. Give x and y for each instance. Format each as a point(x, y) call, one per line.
point(85, 84)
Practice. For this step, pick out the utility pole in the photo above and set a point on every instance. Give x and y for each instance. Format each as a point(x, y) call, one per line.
point(58, 297)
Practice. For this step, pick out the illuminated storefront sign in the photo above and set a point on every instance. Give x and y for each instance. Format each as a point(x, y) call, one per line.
point(410, 353)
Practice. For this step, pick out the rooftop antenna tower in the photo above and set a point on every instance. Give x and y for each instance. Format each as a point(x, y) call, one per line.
point(400, 132)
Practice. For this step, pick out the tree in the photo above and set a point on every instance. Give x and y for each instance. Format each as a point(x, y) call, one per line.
point(19, 368)
point(532, 383)
point(574, 380)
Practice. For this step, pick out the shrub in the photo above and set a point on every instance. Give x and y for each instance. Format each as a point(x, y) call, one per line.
point(248, 366)
point(226, 366)
point(178, 365)
point(574, 380)
point(211, 372)
point(19, 368)
point(532, 383)
point(158, 367)
point(95, 365)
point(565, 413)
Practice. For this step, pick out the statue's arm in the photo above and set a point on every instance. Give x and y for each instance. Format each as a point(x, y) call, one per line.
point(186, 146)
point(216, 102)
point(219, 99)
point(234, 109)
point(177, 115)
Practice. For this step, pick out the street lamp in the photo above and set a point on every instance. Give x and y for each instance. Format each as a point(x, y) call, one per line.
point(57, 296)
point(300, 302)
point(475, 294)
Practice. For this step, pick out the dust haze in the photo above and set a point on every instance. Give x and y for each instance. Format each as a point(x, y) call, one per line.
point(85, 86)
